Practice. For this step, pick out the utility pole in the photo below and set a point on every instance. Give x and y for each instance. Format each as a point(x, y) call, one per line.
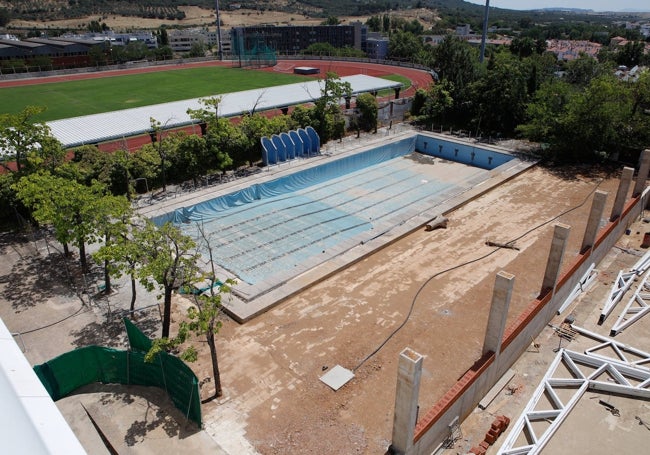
point(485, 27)
point(220, 51)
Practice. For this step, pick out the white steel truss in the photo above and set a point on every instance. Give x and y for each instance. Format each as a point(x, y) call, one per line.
point(619, 352)
point(570, 370)
point(623, 282)
point(637, 307)
point(620, 286)
point(579, 288)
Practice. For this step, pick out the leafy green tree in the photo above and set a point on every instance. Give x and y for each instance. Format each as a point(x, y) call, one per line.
point(164, 146)
point(404, 46)
point(170, 262)
point(97, 55)
point(374, 23)
point(197, 50)
point(631, 54)
point(582, 70)
point(163, 53)
point(368, 107)
point(328, 118)
point(499, 98)
point(456, 62)
point(5, 17)
point(523, 47)
point(204, 315)
point(111, 215)
point(331, 20)
point(222, 139)
point(544, 114)
point(302, 116)
point(145, 163)
point(70, 207)
point(27, 143)
point(163, 36)
point(437, 104)
point(121, 253)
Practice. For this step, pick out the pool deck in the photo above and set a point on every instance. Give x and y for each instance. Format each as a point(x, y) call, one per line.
point(249, 301)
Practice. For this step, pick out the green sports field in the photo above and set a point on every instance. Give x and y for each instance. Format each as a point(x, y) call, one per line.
point(92, 96)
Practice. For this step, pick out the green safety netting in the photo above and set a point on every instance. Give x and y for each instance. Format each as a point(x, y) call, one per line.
point(64, 374)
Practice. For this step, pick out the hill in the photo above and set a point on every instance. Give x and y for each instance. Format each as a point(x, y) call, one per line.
point(148, 14)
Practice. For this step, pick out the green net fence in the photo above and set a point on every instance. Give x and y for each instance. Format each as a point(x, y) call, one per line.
point(254, 54)
point(64, 374)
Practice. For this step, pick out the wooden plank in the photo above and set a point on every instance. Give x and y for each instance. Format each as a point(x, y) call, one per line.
point(494, 391)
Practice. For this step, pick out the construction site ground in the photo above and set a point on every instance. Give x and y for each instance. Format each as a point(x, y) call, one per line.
point(590, 427)
point(429, 291)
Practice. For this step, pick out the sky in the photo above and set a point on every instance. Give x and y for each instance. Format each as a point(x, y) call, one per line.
point(596, 5)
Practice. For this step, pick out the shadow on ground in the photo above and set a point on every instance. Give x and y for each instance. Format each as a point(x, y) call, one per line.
point(111, 332)
point(36, 279)
point(150, 408)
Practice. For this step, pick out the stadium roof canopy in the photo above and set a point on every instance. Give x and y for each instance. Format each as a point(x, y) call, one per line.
point(92, 129)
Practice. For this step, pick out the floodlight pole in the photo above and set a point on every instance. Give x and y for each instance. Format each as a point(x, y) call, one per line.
point(485, 27)
point(220, 47)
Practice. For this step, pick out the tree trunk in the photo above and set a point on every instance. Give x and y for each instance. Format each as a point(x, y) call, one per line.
point(215, 363)
point(133, 294)
point(107, 276)
point(66, 250)
point(167, 311)
point(82, 257)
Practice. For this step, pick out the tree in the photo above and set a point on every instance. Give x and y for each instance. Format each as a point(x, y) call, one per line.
point(331, 20)
point(122, 253)
point(404, 46)
point(163, 36)
point(582, 70)
point(5, 17)
point(111, 217)
point(204, 315)
point(197, 49)
point(327, 110)
point(437, 104)
point(545, 112)
point(163, 146)
point(374, 23)
point(631, 54)
point(456, 61)
point(586, 124)
point(499, 98)
point(170, 262)
point(29, 144)
point(367, 105)
point(71, 208)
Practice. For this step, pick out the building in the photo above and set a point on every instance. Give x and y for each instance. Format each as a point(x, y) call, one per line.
point(377, 46)
point(568, 50)
point(291, 40)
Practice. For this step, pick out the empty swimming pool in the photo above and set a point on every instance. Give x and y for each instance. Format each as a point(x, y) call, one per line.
point(268, 233)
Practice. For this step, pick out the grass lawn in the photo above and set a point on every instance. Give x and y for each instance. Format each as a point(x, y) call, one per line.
point(93, 96)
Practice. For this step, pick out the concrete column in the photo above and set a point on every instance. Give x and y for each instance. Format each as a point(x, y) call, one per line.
point(558, 245)
point(621, 194)
point(593, 223)
point(409, 371)
point(498, 312)
point(644, 167)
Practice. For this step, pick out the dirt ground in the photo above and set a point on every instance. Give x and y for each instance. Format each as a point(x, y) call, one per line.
point(429, 291)
point(196, 16)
